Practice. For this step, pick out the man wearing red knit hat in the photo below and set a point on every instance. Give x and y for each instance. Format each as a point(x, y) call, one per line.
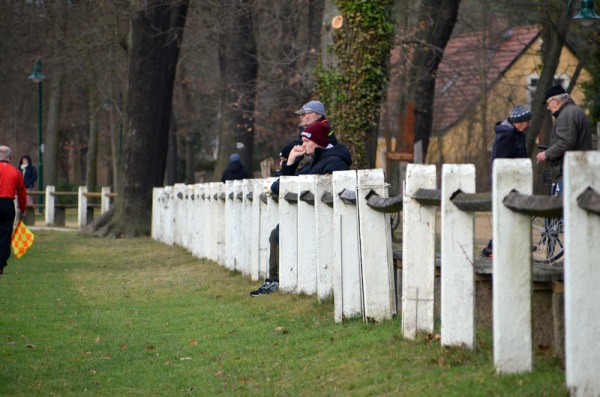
point(326, 158)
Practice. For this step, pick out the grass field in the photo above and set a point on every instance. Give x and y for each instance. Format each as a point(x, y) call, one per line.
point(100, 317)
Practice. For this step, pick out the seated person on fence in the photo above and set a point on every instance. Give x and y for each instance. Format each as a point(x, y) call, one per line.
point(326, 158)
point(509, 143)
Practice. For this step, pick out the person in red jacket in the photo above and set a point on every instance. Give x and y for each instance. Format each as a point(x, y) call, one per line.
point(11, 184)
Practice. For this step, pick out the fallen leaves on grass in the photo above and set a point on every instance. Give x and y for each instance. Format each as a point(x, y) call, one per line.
point(280, 330)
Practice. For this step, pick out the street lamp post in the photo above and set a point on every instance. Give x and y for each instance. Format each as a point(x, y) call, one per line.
point(586, 15)
point(37, 77)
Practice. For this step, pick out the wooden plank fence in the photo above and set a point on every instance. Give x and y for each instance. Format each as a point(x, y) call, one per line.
point(55, 212)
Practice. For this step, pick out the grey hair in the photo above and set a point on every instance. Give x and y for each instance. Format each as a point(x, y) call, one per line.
point(5, 153)
point(562, 97)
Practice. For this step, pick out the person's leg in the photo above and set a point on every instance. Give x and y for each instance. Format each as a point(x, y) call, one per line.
point(7, 218)
point(274, 254)
point(271, 283)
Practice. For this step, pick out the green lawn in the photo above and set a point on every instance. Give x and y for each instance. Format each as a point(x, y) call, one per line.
point(101, 317)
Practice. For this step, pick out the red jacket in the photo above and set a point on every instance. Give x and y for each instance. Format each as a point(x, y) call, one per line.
point(11, 182)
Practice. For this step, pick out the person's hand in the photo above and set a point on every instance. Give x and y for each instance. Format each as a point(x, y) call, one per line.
point(266, 188)
point(21, 215)
point(541, 156)
point(297, 151)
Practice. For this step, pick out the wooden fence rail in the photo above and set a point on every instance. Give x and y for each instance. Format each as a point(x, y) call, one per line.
point(55, 213)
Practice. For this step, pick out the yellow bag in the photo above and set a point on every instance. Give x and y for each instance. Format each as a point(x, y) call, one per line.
point(22, 239)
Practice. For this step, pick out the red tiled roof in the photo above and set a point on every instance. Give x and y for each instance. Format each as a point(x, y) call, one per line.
point(458, 84)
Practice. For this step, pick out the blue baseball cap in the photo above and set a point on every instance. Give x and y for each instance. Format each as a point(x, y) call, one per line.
point(312, 106)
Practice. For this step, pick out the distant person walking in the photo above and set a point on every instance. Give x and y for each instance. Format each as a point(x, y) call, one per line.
point(29, 176)
point(509, 143)
point(235, 169)
point(11, 184)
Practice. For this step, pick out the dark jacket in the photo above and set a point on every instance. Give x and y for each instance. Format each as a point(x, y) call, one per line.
point(509, 143)
point(571, 131)
point(234, 171)
point(325, 161)
point(30, 175)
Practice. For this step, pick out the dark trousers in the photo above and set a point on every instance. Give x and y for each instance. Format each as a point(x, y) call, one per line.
point(7, 218)
point(274, 254)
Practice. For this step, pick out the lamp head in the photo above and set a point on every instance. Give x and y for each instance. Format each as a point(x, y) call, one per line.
point(586, 15)
point(37, 76)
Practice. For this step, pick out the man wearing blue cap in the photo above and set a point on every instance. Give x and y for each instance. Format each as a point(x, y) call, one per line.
point(312, 112)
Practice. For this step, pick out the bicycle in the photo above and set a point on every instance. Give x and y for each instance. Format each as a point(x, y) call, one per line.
point(547, 233)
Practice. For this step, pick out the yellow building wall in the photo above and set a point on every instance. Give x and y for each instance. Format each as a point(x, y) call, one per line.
point(470, 140)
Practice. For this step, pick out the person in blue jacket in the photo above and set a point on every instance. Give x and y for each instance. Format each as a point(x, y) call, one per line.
point(509, 143)
point(235, 169)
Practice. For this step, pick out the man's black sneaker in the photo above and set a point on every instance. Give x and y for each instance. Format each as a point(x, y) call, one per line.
point(487, 253)
point(267, 287)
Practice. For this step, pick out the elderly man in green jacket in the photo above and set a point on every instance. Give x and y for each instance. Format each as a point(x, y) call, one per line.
point(571, 130)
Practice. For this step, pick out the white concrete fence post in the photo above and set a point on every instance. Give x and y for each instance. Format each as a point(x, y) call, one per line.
point(288, 235)
point(258, 212)
point(169, 217)
point(82, 204)
point(379, 294)
point(230, 225)
point(219, 200)
point(104, 200)
point(246, 249)
point(347, 272)
point(197, 220)
point(458, 275)
point(178, 213)
point(157, 212)
point(50, 211)
point(323, 237)
point(268, 223)
point(307, 238)
point(581, 275)
point(418, 253)
point(512, 284)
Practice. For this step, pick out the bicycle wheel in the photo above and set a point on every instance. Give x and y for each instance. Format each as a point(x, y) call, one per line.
point(547, 235)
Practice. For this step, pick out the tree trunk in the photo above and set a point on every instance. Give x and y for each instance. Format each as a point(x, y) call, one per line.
point(157, 32)
point(172, 158)
point(91, 156)
point(556, 19)
point(52, 133)
point(438, 19)
point(237, 59)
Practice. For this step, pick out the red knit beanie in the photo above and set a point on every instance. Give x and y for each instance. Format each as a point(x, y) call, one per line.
point(317, 132)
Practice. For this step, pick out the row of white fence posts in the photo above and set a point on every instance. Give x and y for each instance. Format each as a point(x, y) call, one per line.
point(512, 274)
point(82, 204)
point(342, 250)
point(346, 250)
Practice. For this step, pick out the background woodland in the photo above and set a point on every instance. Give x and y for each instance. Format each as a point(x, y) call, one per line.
point(150, 93)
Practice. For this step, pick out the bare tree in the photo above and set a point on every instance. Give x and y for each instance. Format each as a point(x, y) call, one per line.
point(237, 61)
point(437, 22)
point(157, 32)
